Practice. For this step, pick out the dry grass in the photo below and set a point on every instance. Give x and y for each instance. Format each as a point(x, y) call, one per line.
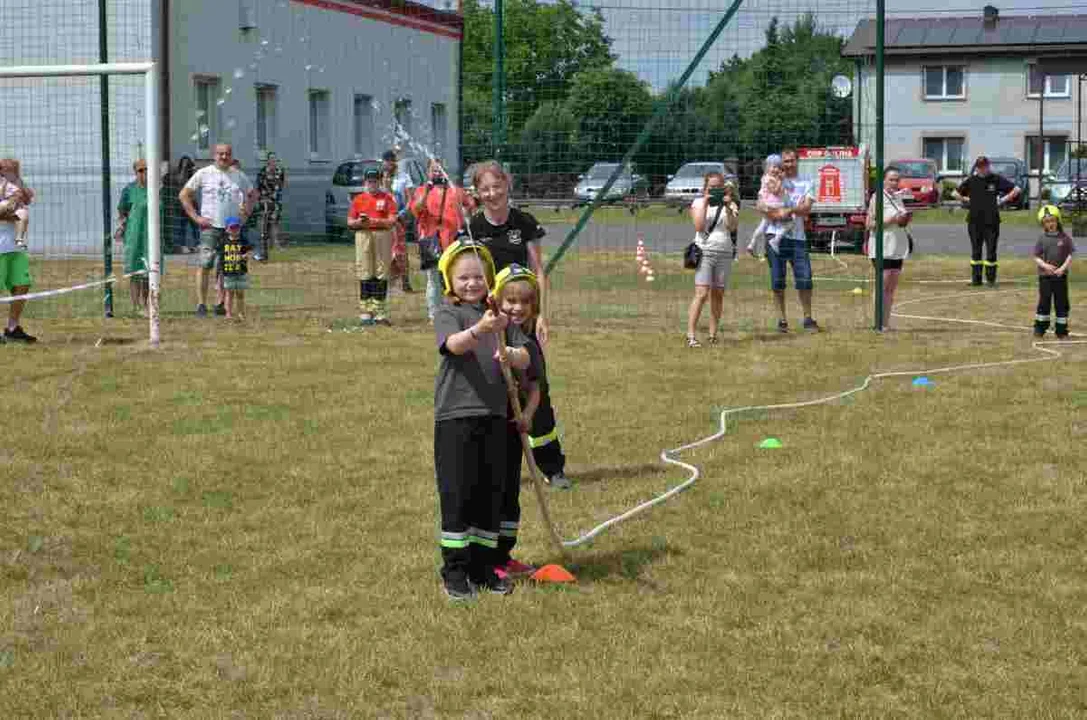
point(242, 524)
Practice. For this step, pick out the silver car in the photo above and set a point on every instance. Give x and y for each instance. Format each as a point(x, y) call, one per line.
point(347, 183)
point(686, 184)
point(629, 183)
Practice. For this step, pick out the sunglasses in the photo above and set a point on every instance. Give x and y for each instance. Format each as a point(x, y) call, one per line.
point(139, 170)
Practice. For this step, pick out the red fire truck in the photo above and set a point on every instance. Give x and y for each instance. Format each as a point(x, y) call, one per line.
point(839, 179)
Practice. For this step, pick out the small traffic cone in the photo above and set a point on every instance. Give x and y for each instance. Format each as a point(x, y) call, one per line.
point(553, 574)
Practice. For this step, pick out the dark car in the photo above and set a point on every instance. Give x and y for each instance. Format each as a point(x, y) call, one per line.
point(1014, 170)
point(1068, 186)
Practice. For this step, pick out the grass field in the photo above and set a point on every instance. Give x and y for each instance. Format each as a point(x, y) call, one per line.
point(242, 523)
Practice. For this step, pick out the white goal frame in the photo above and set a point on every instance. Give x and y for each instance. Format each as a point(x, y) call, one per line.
point(149, 70)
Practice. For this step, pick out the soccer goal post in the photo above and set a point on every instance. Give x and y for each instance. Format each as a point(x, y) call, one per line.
point(151, 156)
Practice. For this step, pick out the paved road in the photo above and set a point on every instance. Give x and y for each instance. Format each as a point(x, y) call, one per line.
point(948, 239)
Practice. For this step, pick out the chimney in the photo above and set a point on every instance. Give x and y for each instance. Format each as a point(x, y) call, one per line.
point(991, 14)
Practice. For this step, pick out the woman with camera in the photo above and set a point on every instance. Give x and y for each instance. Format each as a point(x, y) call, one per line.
point(437, 210)
point(715, 216)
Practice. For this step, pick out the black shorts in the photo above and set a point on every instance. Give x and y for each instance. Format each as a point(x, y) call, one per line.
point(890, 263)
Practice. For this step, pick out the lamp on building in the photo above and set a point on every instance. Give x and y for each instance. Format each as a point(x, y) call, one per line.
point(991, 15)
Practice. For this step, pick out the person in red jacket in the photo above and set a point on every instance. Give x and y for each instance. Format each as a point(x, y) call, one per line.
point(372, 217)
point(439, 215)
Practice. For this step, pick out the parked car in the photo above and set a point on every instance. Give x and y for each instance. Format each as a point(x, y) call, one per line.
point(919, 185)
point(347, 183)
point(686, 184)
point(1014, 170)
point(1068, 186)
point(628, 186)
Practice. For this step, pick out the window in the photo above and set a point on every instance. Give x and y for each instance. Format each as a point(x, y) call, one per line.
point(945, 82)
point(402, 114)
point(320, 141)
point(266, 117)
point(1056, 86)
point(946, 152)
point(438, 126)
point(207, 111)
point(1054, 153)
point(364, 126)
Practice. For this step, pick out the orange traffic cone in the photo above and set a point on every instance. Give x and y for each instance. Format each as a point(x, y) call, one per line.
point(553, 574)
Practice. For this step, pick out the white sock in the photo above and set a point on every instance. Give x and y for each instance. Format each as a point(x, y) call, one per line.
point(12, 324)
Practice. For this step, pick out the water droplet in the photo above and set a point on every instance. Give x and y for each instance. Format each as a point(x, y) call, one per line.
point(321, 69)
point(264, 42)
point(279, 49)
point(228, 90)
point(204, 129)
point(220, 102)
point(252, 66)
point(230, 123)
point(239, 73)
point(194, 137)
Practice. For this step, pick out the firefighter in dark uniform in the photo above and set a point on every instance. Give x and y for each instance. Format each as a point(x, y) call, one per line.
point(985, 192)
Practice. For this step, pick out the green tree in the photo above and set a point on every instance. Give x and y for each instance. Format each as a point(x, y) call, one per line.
point(610, 106)
point(547, 45)
point(784, 91)
point(548, 140)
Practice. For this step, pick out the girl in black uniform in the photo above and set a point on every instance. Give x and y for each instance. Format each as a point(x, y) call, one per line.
point(513, 237)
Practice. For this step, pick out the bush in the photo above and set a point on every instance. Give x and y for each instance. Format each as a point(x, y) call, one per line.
point(947, 187)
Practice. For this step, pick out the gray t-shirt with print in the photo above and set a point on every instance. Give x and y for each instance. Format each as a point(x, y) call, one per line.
point(469, 385)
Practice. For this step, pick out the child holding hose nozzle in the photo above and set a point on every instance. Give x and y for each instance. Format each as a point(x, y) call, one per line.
point(516, 293)
point(470, 421)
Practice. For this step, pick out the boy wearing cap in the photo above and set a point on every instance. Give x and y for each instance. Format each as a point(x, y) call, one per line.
point(985, 192)
point(372, 216)
point(235, 268)
point(1053, 256)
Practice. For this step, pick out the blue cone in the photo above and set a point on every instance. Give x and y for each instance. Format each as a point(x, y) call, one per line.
point(922, 381)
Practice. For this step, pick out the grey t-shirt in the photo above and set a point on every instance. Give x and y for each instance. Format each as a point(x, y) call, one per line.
point(469, 385)
point(1054, 249)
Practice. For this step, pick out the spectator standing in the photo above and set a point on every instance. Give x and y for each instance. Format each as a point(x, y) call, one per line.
point(437, 207)
point(712, 216)
point(896, 238)
point(14, 259)
point(223, 191)
point(271, 181)
point(1053, 256)
point(372, 216)
point(985, 192)
point(132, 213)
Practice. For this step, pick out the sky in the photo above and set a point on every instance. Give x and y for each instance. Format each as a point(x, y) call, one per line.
point(656, 39)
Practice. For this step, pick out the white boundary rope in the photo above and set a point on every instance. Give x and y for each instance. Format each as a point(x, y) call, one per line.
point(668, 456)
point(66, 290)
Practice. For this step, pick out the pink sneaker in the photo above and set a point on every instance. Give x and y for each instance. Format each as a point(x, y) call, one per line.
point(517, 569)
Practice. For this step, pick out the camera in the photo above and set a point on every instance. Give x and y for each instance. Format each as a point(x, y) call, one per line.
point(717, 196)
point(438, 180)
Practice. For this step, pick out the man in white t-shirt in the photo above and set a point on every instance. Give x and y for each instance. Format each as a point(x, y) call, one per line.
point(224, 191)
point(796, 252)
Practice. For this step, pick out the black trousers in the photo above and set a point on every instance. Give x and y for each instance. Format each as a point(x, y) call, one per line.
point(470, 465)
point(509, 512)
point(544, 435)
point(1052, 292)
point(983, 237)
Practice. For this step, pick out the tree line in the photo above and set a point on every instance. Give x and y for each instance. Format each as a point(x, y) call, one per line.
point(568, 104)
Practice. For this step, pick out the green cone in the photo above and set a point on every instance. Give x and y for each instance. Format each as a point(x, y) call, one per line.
point(770, 444)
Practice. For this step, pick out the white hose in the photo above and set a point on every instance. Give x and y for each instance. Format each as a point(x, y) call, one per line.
point(668, 456)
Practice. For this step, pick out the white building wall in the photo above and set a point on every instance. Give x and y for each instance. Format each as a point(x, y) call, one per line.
point(53, 126)
point(995, 118)
point(297, 48)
